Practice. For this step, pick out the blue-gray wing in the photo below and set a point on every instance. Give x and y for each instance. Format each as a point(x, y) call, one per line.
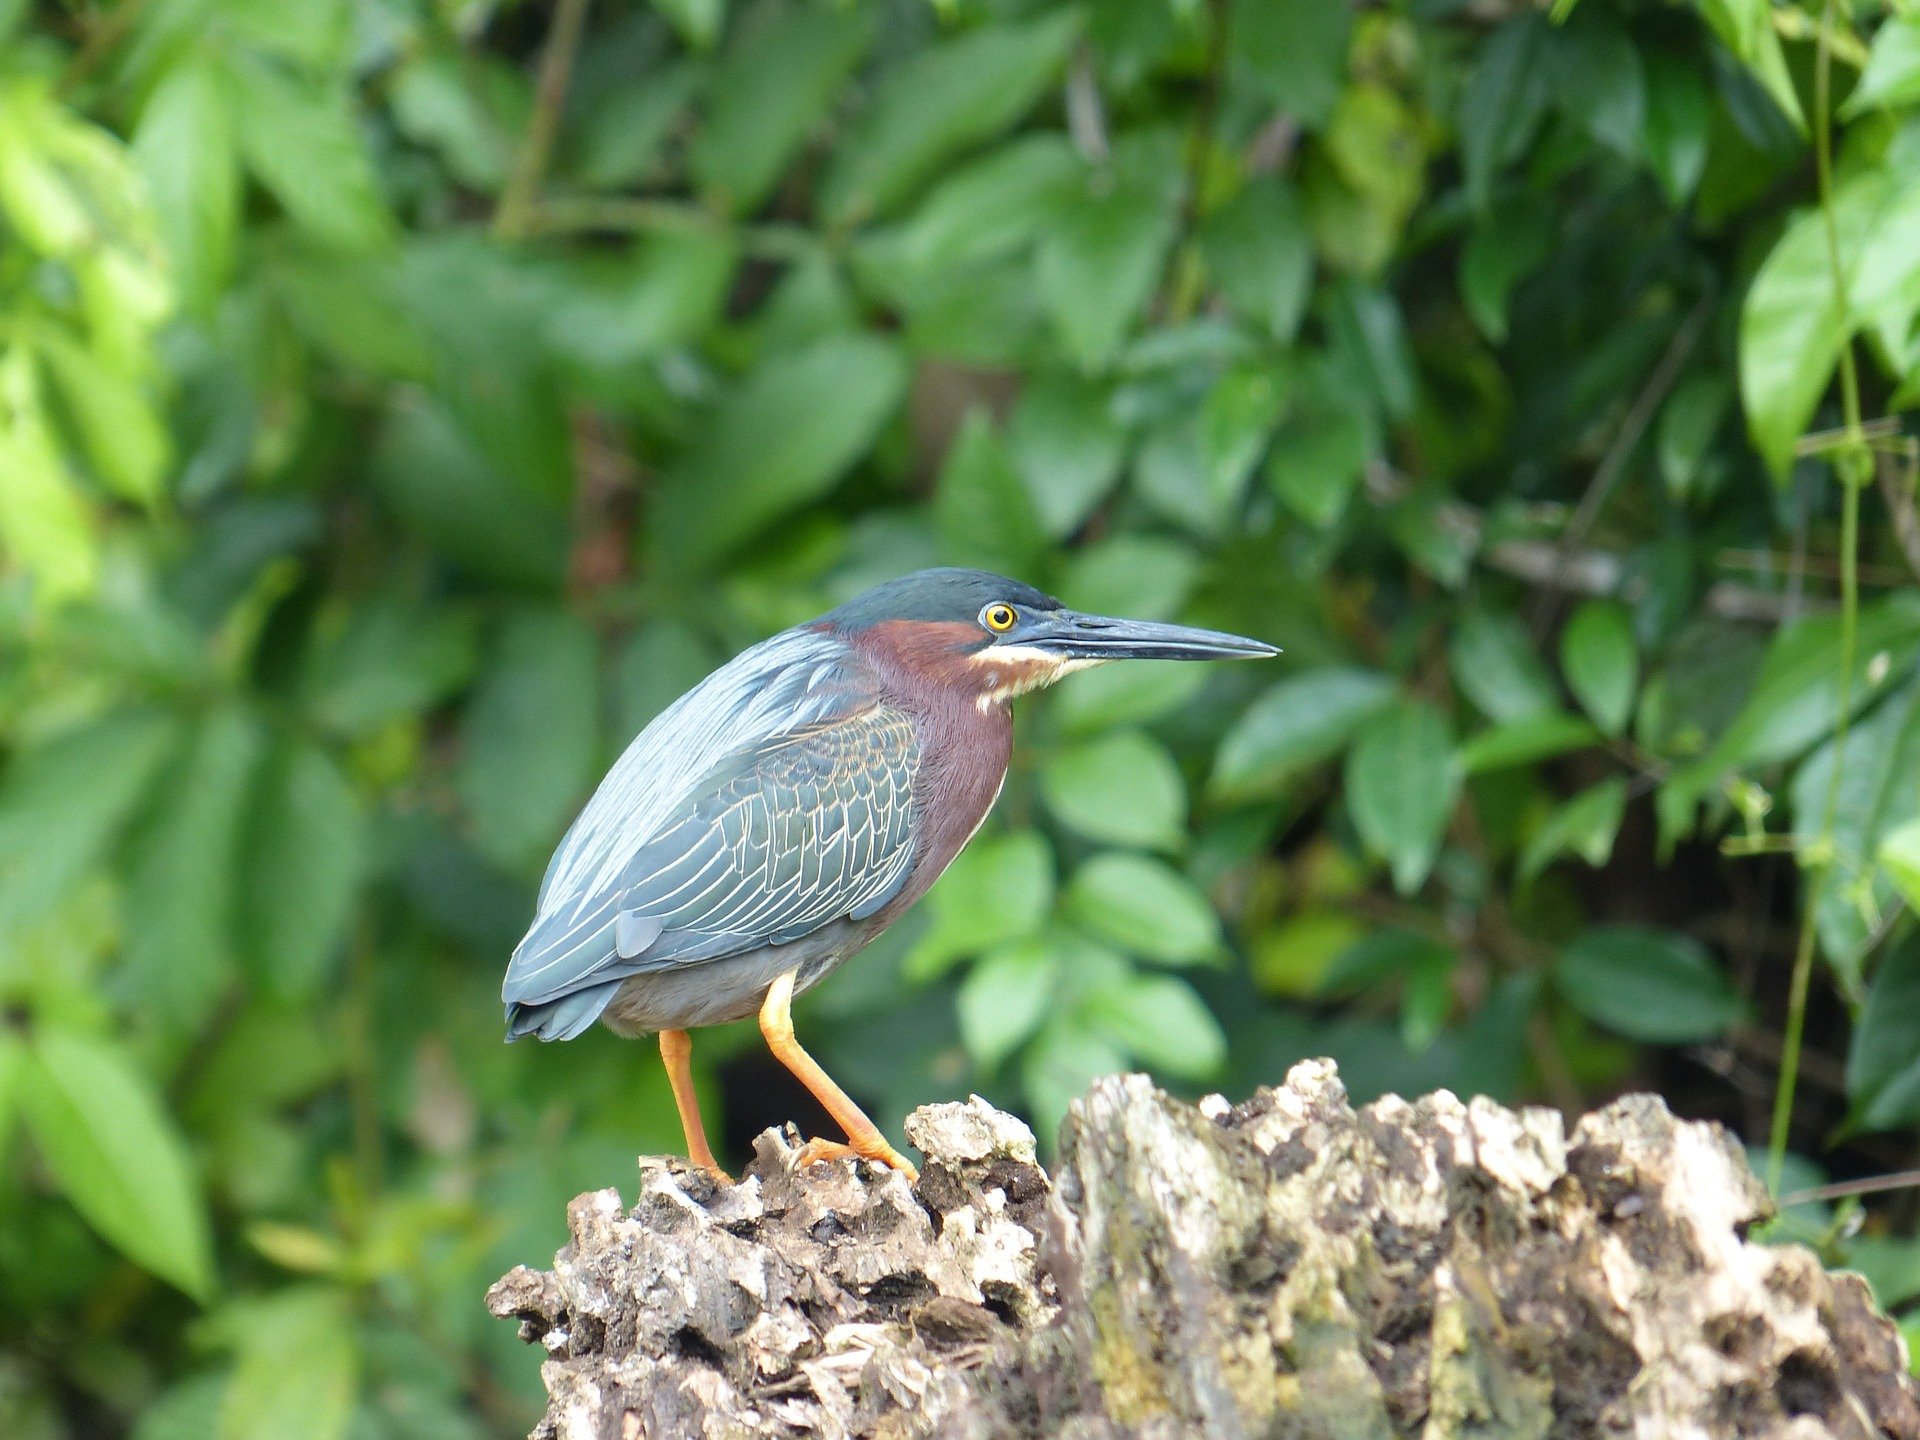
point(802, 830)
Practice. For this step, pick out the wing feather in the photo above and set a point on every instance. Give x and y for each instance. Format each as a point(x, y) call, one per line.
point(801, 829)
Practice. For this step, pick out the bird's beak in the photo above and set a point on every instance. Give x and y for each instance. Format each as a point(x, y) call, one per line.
point(1073, 636)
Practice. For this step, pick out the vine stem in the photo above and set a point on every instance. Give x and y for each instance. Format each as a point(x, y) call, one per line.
point(513, 220)
point(1851, 449)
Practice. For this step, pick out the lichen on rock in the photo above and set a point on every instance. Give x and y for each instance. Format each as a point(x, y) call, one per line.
point(1287, 1267)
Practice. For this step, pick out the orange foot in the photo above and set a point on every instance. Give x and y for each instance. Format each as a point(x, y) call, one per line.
point(881, 1153)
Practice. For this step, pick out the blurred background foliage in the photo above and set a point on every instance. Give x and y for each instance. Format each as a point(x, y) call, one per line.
point(402, 400)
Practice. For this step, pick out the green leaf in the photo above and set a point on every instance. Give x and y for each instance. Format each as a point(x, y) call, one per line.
point(1879, 789)
point(1132, 694)
point(1507, 244)
point(697, 22)
point(1145, 576)
point(1005, 997)
point(529, 742)
point(1146, 907)
point(65, 801)
point(1066, 444)
point(1122, 789)
point(1899, 856)
point(1791, 329)
point(1597, 80)
point(1163, 1023)
point(1795, 701)
point(1653, 985)
point(1291, 53)
point(304, 147)
point(1302, 721)
point(1892, 76)
point(444, 487)
point(1525, 742)
point(949, 96)
point(1067, 1057)
point(1098, 263)
point(1746, 28)
point(1601, 662)
point(1793, 322)
point(100, 1127)
point(1495, 666)
point(1679, 116)
point(301, 870)
point(183, 862)
point(298, 1375)
point(1260, 253)
point(1883, 1058)
point(119, 429)
point(1401, 778)
point(620, 132)
point(1235, 423)
point(1321, 450)
point(1585, 826)
point(46, 528)
point(184, 146)
point(782, 69)
point(1502, 103)
point(987, 209)
point(981, 505)
point(779, 441)
point(1690, 421)
point(386, 659)
point(999, 889)
point(13, 1067)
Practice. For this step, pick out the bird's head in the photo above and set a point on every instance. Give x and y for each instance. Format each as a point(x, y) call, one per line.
point(997, 638)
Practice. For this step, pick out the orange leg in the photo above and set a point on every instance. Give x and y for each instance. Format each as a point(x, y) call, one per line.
point(776, 1023)
point(676, 1050)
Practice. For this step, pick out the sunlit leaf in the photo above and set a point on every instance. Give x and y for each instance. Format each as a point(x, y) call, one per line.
point(1162, 1023)
point(299, 1368)
point(1146, 907)
point(65, 801)
point(99, 1124)
point(999, 889)
point(1004, 998)
point(1122, 788)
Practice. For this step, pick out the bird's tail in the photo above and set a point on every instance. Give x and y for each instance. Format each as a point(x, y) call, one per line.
point(561, 1018)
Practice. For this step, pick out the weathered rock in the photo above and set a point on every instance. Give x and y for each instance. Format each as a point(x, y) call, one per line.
point(1284, 1268)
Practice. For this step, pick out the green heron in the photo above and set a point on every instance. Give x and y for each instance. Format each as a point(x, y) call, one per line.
point(789, 808)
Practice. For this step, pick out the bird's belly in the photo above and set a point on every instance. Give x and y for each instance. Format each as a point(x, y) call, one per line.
point(713, 992)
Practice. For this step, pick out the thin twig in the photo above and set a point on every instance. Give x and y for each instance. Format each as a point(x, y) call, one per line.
point(1842, 1189)
point(512, 221)
point(1633, 429)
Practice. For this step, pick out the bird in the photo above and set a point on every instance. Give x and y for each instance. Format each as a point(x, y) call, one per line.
point(791, 806)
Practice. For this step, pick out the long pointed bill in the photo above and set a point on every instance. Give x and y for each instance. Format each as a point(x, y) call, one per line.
point(1074, 636)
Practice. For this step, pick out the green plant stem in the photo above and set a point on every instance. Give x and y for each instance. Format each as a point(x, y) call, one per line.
point(512, 221)
point(1851, 450)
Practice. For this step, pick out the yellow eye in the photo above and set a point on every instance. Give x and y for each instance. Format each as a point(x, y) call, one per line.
point(998, 618)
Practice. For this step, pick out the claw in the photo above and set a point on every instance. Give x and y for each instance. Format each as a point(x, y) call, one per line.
point(816, 1151)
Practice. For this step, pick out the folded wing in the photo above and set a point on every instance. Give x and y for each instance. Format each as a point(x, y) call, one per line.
point(792, 833)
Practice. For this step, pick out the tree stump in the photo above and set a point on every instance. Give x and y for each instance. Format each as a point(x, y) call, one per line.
point(1287, 1267)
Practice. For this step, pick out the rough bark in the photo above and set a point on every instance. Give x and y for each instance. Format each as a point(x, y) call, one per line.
point(1288, 1267)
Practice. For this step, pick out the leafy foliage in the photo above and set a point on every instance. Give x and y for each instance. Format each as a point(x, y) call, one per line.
point(400, 403)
